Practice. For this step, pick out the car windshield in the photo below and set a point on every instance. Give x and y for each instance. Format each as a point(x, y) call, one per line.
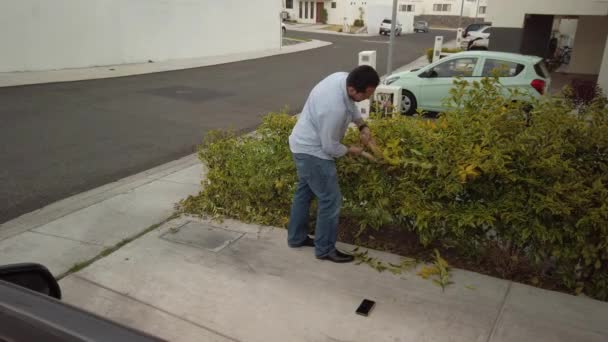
point(421, 23)
point(386, 21)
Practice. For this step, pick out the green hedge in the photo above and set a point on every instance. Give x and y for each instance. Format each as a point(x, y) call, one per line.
point(487, 173)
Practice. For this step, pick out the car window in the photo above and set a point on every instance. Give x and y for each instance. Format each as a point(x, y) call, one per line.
point(541, 70)
point(386, 21)
point(460, 67)
point(495, 67)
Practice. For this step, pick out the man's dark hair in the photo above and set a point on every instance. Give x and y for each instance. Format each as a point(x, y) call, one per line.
point(363, 77)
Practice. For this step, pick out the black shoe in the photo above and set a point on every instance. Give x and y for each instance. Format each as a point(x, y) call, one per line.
point(337, 256)
point(309, 242)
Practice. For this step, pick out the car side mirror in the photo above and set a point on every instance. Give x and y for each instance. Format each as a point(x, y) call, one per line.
point(31, 276)
point(429, 74)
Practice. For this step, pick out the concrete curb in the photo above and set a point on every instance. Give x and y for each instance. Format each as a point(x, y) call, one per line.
point(321, 31)
point(68, 75)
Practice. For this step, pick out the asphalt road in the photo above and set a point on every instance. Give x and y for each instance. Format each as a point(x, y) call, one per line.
point(61, 139)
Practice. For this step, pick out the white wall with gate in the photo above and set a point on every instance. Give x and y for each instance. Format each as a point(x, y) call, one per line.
point(378, 12)
point(59, 34)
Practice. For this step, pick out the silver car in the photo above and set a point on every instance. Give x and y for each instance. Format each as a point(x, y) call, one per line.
point(421, 26)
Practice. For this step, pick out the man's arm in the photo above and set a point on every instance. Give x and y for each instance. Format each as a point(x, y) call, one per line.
point(365, 133)
point(329, 132)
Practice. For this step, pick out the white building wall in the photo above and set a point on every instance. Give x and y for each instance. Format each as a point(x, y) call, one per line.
point(511, 13)
point(59, 34)
point(376, 13)
point(350, 8)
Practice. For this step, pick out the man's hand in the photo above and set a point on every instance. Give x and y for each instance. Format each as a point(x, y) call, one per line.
point(355, 150)
point(365, 136)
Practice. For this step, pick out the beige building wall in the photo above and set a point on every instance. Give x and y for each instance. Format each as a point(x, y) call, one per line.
point(589, 45)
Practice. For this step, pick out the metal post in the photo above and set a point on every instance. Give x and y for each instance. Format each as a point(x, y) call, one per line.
point(461, 12)
point(477, 11)
point(389, 64)
point(438, 48)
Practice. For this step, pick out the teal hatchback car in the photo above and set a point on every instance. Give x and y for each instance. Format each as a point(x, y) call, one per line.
point(427, 88)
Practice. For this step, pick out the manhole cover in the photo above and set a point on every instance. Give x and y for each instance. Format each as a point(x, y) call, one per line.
point(203, 236)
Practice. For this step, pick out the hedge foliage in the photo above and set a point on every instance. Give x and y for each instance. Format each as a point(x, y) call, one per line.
point(487, 173)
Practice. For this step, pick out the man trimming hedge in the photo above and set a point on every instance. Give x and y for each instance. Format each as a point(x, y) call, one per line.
point(315, 144)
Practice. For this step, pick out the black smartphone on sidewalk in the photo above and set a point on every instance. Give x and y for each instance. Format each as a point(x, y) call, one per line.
point(366, 307)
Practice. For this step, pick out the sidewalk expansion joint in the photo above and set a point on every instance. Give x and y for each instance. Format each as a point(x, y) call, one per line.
point(109, 250)
point(500, 312)
point(157, 308)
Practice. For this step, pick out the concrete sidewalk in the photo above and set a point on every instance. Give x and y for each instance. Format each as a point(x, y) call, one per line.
point(197, 280)
point(36, 77)
point(80, 228)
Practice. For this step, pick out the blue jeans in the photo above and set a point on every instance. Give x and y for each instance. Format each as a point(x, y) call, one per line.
point(316, 177)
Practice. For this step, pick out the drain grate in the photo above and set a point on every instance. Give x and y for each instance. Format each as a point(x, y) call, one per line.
point(203, 236)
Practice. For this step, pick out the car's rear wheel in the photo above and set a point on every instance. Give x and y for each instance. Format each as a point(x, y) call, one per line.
point(408, 103)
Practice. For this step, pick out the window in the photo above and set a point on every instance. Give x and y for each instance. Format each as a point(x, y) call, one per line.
point(461, 67)
point(300, 9)
point(442, 7)
point(312, 10)
point(482, 9)
point(495, 67)
point(306, 10)
point(406, 8)
point(541, 70)
point(289, 4)
point(333, 4)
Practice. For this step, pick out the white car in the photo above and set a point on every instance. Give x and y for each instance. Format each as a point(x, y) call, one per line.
point(479, 44)
point(427, 88)
point(385, 27)
point(481, 33)
point(479, 38)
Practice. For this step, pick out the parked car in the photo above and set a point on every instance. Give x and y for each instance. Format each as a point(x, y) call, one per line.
point(421, 26)
point(426, 88)
point(474, 27)
point(479, 44)
point(31, 310)
point(385, 27)
point(483, 33)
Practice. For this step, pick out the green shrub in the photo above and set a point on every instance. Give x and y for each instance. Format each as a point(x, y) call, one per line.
point(486, 173)
point(358, 23)
point(324, 16)
point(430, 52)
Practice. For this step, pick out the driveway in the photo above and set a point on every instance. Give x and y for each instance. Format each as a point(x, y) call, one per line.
point(61, 139)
